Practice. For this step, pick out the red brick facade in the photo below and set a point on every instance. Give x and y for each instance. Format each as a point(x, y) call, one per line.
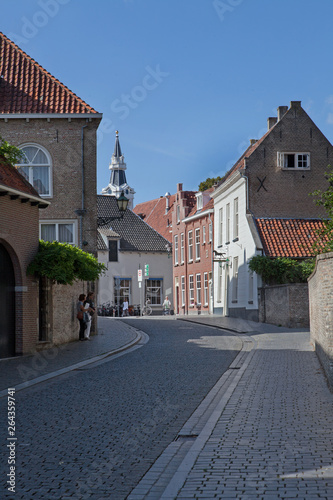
point(192, 253)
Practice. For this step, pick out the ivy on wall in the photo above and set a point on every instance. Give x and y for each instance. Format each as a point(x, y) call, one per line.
point(281, 270)
point(64, 264)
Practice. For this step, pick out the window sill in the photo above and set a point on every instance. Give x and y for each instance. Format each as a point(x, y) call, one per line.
point(234, 301)
point(293, 169)
point(227, 243)
point(250, 302)
point(197, 260)
point(236, 239)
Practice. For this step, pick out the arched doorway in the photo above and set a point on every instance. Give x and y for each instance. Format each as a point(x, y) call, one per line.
point(7, 304)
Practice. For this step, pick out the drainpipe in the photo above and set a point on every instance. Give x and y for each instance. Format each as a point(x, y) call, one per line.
point(81, 212)
point(213, 270)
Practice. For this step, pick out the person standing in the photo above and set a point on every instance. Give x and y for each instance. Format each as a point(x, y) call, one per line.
point(80, 314)
point(125, 307)
point(166, 305)
point(89, 309)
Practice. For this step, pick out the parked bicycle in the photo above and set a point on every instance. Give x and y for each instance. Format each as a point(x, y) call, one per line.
point(147, 310)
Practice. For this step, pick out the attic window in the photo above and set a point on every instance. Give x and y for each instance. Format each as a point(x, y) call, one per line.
point(199, 202)
point(294, 161)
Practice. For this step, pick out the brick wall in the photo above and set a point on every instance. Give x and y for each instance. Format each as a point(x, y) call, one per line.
point(286, 192)
point(62, 138)
point(285, 305)
point(19, 235)
point(321, 312)
point(63, 141)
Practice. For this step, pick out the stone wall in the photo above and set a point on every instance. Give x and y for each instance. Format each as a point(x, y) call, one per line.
point(321, 311)
point(285, 305)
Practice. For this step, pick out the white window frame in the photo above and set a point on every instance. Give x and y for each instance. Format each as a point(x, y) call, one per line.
point(235, 280)
point(236, 219)
point(210, 232)
point(176, 249)
point(197, 243)
point(182, 248)
point(190, 246)
point(227, 214)
point(154, 291)
point(178, 213)
point(58, 222)
point(206, 288)
point(182, 279)
point(282, 160)
point(220, 228)
point(32, 165)
point(198, 288)
point(203, 235)
point(219, 281)
point(191, 289)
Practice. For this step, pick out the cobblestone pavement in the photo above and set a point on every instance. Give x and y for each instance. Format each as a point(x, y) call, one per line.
point(15, 371)
point(271, 436)
point(93, 432)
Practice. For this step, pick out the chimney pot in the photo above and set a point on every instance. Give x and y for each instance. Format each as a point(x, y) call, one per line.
point(272, 120)
point(180, 186)
point(282, 110)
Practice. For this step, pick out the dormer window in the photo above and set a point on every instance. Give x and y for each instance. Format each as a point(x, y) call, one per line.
point(199, 201)
point(293, 161)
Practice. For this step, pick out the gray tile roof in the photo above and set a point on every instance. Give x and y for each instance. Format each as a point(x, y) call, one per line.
point(135, 234)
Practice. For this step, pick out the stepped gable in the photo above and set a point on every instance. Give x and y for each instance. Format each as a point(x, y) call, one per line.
point(288, 237)
point(26, 87)
point(135, 234)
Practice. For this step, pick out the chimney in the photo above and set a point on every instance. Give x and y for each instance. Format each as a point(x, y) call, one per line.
point(282, 110)
point(167, 204)
point(272, 120)
point(180, 187)
point(295, 104)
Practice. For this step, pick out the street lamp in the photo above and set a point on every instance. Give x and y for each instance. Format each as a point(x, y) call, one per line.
point(168, 249)
point(122, 203)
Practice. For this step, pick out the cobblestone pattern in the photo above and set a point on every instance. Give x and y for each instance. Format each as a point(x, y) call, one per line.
point(112, 335)
point(94, 432)
point(274, 439)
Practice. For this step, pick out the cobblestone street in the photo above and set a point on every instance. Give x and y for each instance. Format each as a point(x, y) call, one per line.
point(94, 432)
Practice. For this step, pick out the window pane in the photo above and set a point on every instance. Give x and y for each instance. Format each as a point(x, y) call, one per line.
point(41, 179)
point(113, 251)
point(66, 233)
point(30, 152)
point(40, 158)
point(48, 232)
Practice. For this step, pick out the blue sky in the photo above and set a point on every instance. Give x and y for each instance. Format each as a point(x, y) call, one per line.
point(187, 83)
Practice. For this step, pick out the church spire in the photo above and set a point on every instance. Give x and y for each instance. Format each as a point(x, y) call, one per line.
point(117, 150)
point(118, 182)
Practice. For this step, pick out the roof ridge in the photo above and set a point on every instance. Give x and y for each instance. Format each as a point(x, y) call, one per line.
point(46, 73)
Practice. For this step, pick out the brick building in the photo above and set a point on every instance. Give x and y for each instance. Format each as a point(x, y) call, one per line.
point(192, 223)
point(19, 293)
point(262, 202)
point(56, 130)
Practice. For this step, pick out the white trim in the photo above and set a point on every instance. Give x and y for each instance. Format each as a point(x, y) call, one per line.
point(43, 116)
point(22, 194)
point(31, 165)
point(198, 216)
point(62, 221)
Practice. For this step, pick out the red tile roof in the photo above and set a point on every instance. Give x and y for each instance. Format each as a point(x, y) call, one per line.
point(194, 211)
point(288, 237)
point(153, 213)
point(26, 87)
point(11, 178)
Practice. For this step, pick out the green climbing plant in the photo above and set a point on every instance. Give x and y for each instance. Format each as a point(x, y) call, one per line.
point(64, 264)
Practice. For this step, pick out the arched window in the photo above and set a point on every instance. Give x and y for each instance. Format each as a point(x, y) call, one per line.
point(36, 168)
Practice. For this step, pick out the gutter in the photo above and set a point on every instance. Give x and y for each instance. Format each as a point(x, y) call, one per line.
point(25, 196)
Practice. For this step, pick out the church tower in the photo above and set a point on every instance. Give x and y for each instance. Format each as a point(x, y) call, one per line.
point(118, 181)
